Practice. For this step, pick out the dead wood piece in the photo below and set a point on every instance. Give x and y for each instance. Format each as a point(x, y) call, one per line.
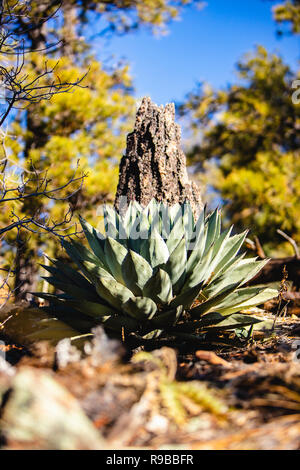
point(154, 165)
point(212, 358)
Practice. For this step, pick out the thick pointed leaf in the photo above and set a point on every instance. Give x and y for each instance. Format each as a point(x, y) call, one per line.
point(230, 249)
point(256, 268)
point(120, 323)
point(199, 227)
point(188, 220)
point(232, 264)
point(92, 309)
point(175, 212)
point(136, 272)
point(135, 239)
point(93, 237)
point(126, 220)
point(114, 293)
point(213, 225)
point(57, 299)
point(246, 269)
point(203, 271)
point(242, 299)
point(159, 287)
point(210, 319)
point(115, 254)
point(176, 264)
point(197, 244)
point(72, 289)
point(136, 223)
point(210, 303)
point(217, 254)
point(77, 320)
point(240, 273)
point(186, 298)
point(176, 235)
point(79, 253)
point(165, 221)
point(63, 272)
point(140, 308)
point(110, 221)
point(158, 250)
point(168, 318)
point(144, 249)
point(239, 296)
point(94, 271)
point(153, 213)
point(197, 275)
point(154, 334)
point(234, 321)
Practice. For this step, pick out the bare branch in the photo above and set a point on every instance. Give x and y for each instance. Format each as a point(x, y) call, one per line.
point(291, 241)
point(20, 89)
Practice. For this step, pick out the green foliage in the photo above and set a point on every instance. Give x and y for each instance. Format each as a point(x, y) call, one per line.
point(288, 12)
point(128, 14)
point(89, 124)
point(157, 275)
point(250, 146)
point(118, 16)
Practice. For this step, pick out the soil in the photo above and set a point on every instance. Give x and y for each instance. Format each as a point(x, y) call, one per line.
point(245, 398)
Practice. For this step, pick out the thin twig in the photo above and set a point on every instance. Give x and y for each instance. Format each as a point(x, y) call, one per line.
point(291, 241)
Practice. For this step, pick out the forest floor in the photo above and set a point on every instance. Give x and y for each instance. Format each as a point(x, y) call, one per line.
point(237, 398)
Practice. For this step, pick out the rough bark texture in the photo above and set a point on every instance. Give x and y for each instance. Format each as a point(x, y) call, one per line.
point(154, 165)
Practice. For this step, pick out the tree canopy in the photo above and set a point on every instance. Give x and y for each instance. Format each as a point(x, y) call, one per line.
point(88, 124)
point(288, 12)
point(247, 142)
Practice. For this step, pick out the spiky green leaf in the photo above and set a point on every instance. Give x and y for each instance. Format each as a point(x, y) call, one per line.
point(115, 254)
point(159, 287)
point(141, 308)
point(136, 271)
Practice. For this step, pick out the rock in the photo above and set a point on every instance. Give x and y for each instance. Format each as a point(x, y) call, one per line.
point(154, 165)
point(39, 413)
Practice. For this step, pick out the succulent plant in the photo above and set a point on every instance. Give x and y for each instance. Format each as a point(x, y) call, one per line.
point(157, 275)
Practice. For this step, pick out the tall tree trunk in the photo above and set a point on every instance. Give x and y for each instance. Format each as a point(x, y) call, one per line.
point(154, 165)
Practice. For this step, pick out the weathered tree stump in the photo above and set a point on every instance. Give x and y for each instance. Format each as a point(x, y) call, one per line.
point(154, 165)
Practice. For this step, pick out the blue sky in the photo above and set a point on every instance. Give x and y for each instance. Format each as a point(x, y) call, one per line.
point(204, 45)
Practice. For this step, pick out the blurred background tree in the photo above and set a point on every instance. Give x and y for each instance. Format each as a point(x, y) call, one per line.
point(288, 13)
point(246, 140)
point(90, 124)
point(246, 143)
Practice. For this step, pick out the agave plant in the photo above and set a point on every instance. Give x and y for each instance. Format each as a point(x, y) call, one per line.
point(157, 273)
